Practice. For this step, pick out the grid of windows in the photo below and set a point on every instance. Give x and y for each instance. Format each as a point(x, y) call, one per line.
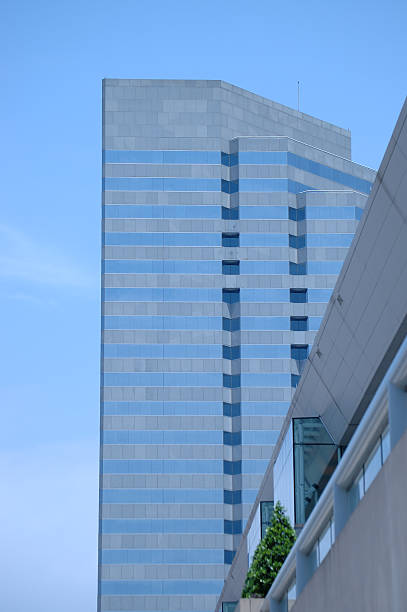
point(201, 293)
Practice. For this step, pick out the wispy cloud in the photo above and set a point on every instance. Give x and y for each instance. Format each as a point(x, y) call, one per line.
point(24, 259)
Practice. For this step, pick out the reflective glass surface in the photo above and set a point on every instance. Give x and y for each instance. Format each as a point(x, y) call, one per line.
point(161, 184)
point(158, 379)
point(157, 466)
point(161, 239)
point(159, 322)
point(155, 294)
point(161, 437)
point(163, 351)
point(157, 556)
point(166, 266)
point(315, 459)
point(161, 212)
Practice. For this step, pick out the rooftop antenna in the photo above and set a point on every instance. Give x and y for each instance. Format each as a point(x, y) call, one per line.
point(298, 96)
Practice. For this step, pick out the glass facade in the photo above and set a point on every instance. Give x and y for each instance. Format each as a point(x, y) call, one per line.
point(315, 459)
point(217, 267)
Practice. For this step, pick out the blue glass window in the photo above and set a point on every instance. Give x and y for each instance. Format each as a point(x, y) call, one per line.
point(298, 296)
point(319, 295)
point(159, 322)
point(324, 267)
point(123, 436)
point(156, 556)
point(230, 214)
point(231, 352)
point(299, 323)
point(167, 496)
point(232, 497)
point(166, 266)
point(232, 438)
point(267, 240)
point(299, 351)
point(295, 379)
point(143, 294)
point(159, 379)
point(231, 324)
point(230, 296)
point(162, 184)
point(298, 269)
point(160, 587)
point(161, 526)
point(228, 558)
point(296, 242)
point(163, 408)
point(232, 527)
point(260, 437)
point(264, 267)
point(231, 410)
point(230, 267)
point(271, 379)
point(263, 157)
point(265, 323)
point(265, 351)
point(229, 159)
point(161, 212)
point(296, 214)
point(232, 467)
point(162, 351)
point(264, 295)
point(230, 240)
point(263, 212)
point(153, 466)
point(229, 186)
point(334, 212)
point(231, 381)
point(271, 184)
point(161, 239)
point(329, 240)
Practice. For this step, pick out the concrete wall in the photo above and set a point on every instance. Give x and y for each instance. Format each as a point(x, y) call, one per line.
point(369, 577)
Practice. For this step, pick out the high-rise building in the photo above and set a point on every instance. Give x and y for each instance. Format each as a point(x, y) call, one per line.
point(226, 219)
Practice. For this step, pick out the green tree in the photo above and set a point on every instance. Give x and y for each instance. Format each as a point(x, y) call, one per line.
point(270, 554)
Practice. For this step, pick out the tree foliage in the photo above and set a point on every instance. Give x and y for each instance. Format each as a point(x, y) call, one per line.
point(270, 554)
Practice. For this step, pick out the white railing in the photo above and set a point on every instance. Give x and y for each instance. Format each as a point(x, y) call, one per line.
point(388, 408)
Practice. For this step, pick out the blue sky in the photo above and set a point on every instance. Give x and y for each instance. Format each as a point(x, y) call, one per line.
point(350, 58)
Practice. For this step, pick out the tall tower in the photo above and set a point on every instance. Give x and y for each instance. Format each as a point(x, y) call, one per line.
point(226, 219)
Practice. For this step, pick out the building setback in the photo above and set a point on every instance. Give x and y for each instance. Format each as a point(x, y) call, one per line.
point(226, 219)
